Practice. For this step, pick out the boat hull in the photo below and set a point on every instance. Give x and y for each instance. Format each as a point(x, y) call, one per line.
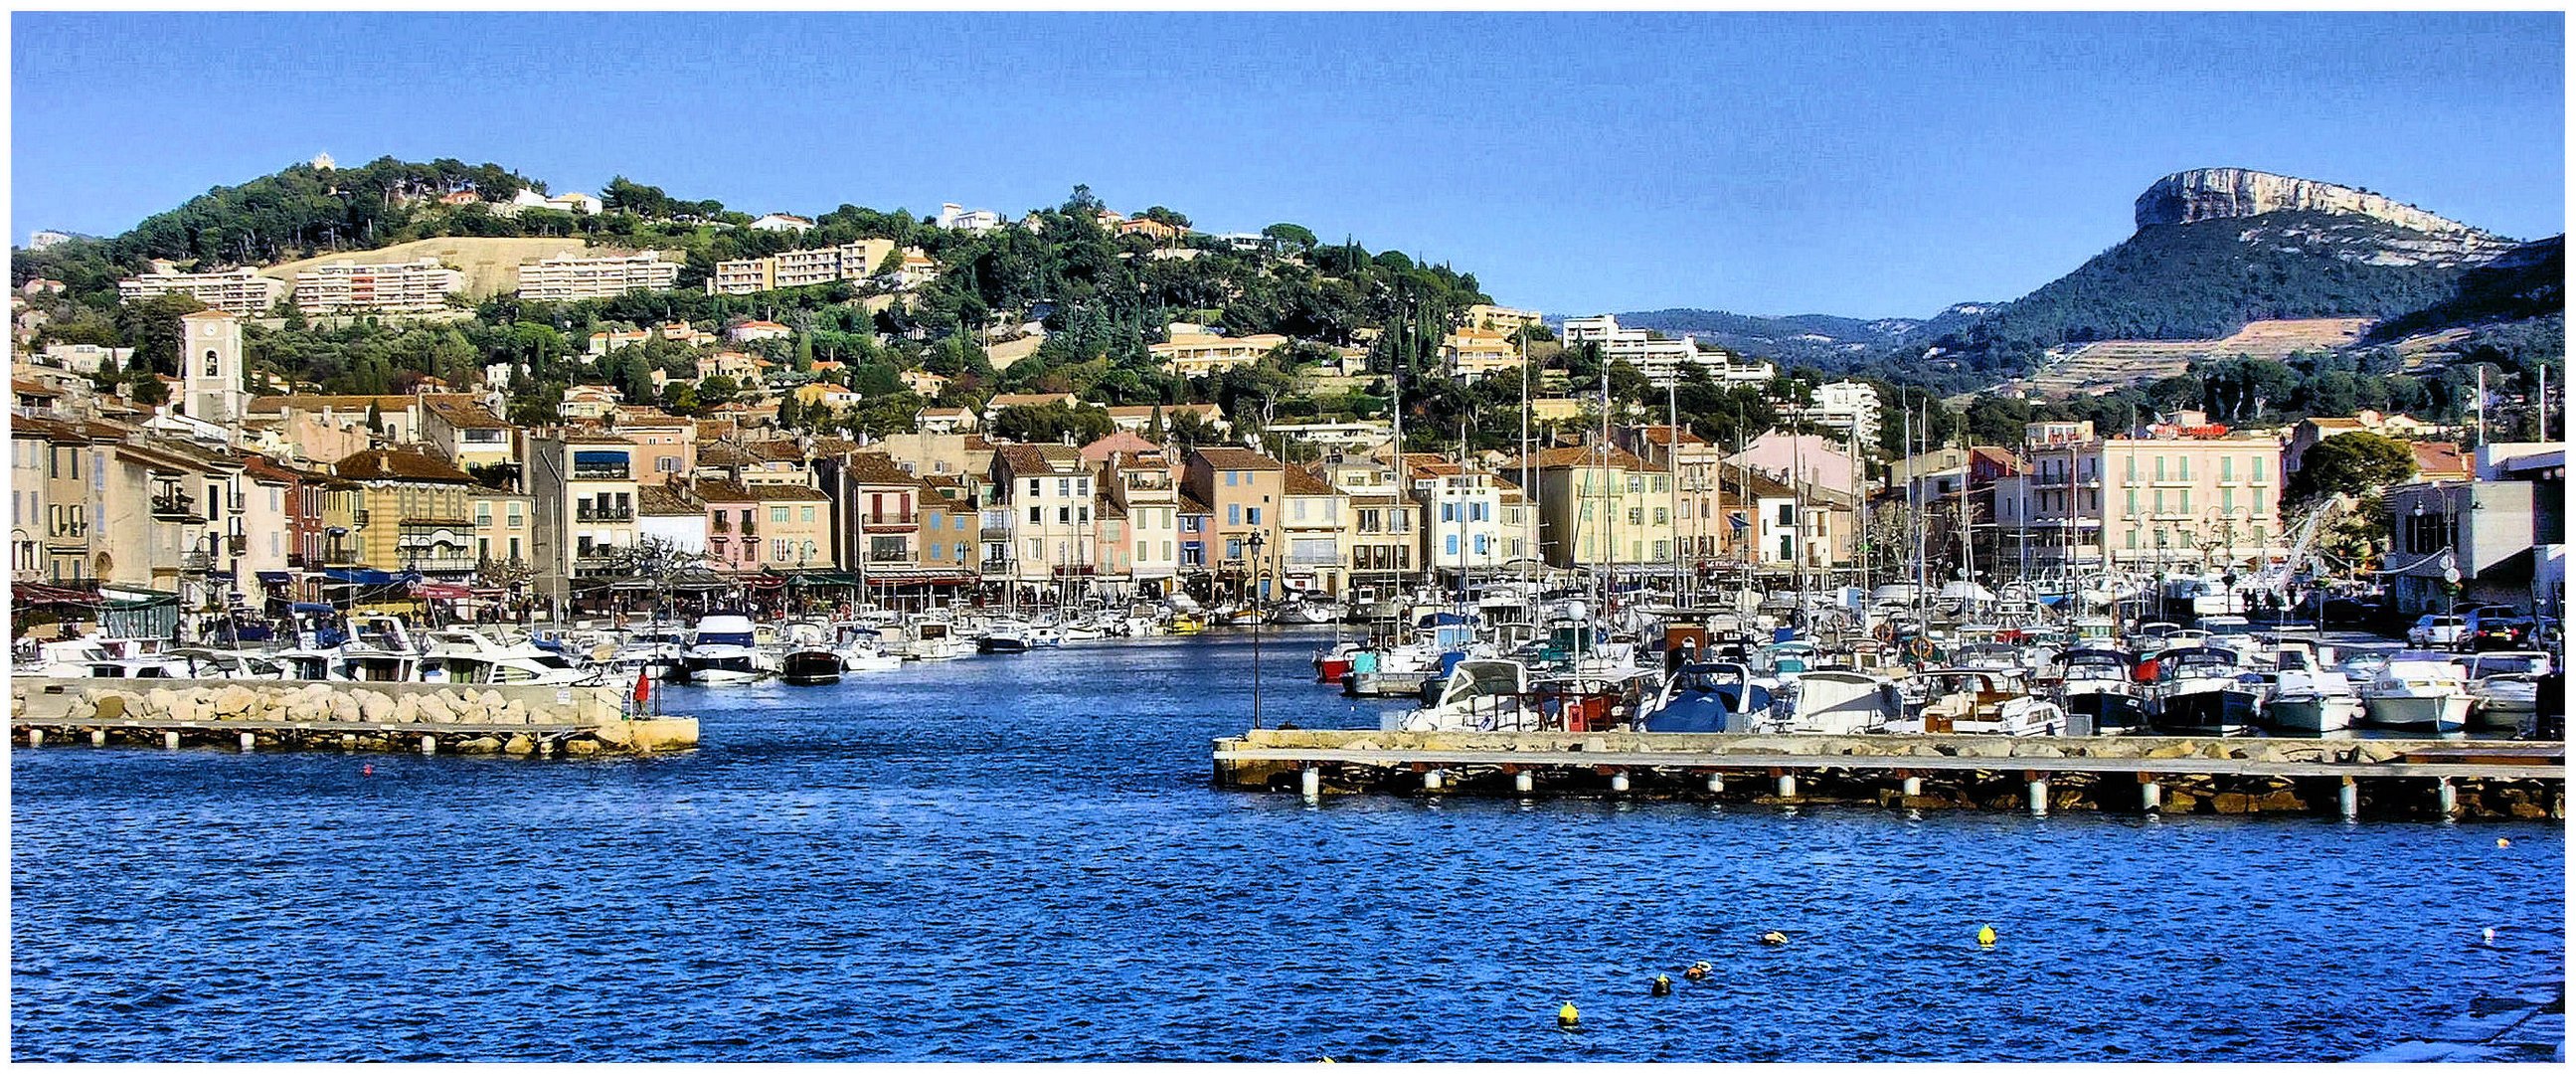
point(2221, 712)
point(2441, 712)
point(815, 668)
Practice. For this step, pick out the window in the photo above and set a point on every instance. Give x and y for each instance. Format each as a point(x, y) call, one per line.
point(804, 514)
point(1233, 549)
point(778, 514)
point(1234, 514)
point(668, 464)
point(1063, 515)
point(2226, 498)
point(1484, 544)
point(2160, 501)
point(2160, 467)
point(1083, 513)
point(482, 516)
point(959, 522)
point(2183, 468)
point(214, 364)
point(1037, 514)
point(1636, 483)
point(1037, 549)
point(1448, 512)
point(1663, 516)
point(2133, 501)
point(2186, 501)
point(1636, 516)
point(1450, 545)
point(1252, 516)
point(1033, 487)
point(1229, 478)
point(1786, 517)
point(2227, 467)
point(961, 551)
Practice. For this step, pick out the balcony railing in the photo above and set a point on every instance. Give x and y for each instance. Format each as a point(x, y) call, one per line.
point(340, 557)
point(195, 562)
point(174, 507)
point(888, 518)
point(600, 473)
point(448, 563)
point(604, 514)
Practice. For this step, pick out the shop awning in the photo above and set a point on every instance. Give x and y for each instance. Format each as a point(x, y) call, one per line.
point(276, 577)
point(32, 594)
point(363, 576)
point(445, 591)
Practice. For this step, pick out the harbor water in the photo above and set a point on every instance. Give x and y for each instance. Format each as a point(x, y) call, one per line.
point(1021, 858)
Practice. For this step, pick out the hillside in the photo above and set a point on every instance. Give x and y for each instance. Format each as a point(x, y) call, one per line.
point(1834, 344)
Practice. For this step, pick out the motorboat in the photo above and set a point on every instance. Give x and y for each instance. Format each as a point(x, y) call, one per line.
point(2101, 685)
point(2417, 689)
point(1478, 695)
point(1312, 611)
point(1835, 702)
point(1713, 697)
point(722, 651)
point(2505, 686)
point(806, 656)
point(2307, 695)
point(1009, 636)
point(934, 638)
point(2204, 690)
point(1992, 701)
point(1332, 663)
point(461, 654)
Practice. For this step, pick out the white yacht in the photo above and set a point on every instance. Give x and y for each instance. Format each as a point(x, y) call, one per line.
point(2418, 689)
point(461, 654)
point(2505, 685)
point(721, 651)
point(2307, 694)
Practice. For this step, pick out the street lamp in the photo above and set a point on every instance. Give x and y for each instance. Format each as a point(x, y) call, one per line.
point(1256, 542)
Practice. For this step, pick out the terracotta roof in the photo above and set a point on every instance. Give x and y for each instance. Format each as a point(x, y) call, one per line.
point(25, 428)
point(277, 404)
point(1559, 458)
point(777, 450)
point(717, 490)
point(2436, 458)
point(384, 465)
point(665, 501)
point(871, 468)
point(1663, 434)
point(1234, 458)
point(1030, 399)
point(1190, 505)
point(773, 490)
point(1049, 459)
point(29, 387)
point(1302, 483)
point(463, 414)
point(724, 453)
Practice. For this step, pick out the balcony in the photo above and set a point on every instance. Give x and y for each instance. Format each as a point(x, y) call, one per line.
point(887, 520)
point(237, 544)
point(601, 472)
point(604, 514)
point(445, 563)
point(357, 520)
point(340, 557)
point(195, 562)
point(174, 507)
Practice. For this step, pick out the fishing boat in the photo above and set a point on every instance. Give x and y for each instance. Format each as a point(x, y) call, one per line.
point(2203, 690)
point(722, 651)
point(2423, 690)
point(2101, 685)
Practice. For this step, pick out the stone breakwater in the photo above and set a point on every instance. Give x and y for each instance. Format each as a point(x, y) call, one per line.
point(517, 720)
point(2169, 775)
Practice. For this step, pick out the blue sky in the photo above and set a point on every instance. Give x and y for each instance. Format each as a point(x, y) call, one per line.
point(1870, 165)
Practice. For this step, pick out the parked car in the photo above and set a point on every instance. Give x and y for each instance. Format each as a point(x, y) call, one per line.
point(2494, 626)
point(2437, 632)
point(2352, 611)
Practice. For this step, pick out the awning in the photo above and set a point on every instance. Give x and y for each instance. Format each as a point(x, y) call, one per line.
point(276, 577)
point(31, 593)
point(445, 591)
point(363, 576)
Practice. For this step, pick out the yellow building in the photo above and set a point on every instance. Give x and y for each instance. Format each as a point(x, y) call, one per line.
point(415, 512)
point(1600, 506)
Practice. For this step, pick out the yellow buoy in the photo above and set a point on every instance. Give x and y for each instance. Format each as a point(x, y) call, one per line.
point(1775, 938)
point(2502, 842)
point(1567, 1016)
point(1986, 936)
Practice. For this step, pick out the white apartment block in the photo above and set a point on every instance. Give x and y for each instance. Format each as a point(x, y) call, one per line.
point(571, 279)
point(1848, 407)
point(411, 287)
point(232, 291)
point(1660, 359)
point(955, 217)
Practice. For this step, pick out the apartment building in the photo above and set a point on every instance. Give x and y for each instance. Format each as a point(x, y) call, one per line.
point(466, 433)
point(1467, 524)
point(2200, 499)
point(502, 526)
point(1141, 485)
point(1242, 489)
point(800, 268)
point(238, 291)
point(582, 491)
point(1197, 355)
point(1600, 507)
point(2499, 538)
point(1501, 319)
point(1847, 408)
point(951, 533)
point(1474, 353)
point(879, 516)
point(1046, 494)
point(570, 278)
point(421, 286)
point(1314, 533)
point(1384, 538)
point(774, 527)
point(415, 512)
point(1660, 359)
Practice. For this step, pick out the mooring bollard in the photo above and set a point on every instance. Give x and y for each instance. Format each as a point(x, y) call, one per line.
point(1310, 782)
point(1523, 782)
point(1913, 786)
point(98, 737)
point(1787, 787)
point(1618, 783)
point(2039, 797)
point(248, 741)
point(2448, 795)
point(428, 745)
point(169, 740)
point(35, 736)
point(2348, 798)
point(2151, 796)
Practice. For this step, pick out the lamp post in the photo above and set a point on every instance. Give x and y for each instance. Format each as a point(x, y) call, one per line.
point(1256, 542)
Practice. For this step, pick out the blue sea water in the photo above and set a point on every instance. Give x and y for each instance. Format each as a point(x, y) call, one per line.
point(1021, 858)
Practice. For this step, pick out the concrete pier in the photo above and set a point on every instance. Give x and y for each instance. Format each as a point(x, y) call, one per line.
point(2037, 775)
point(433, 718)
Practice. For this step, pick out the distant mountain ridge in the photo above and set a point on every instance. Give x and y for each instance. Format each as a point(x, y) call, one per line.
point(2214, 250)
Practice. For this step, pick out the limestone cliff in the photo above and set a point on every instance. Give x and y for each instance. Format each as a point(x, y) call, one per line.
point(2220, 193)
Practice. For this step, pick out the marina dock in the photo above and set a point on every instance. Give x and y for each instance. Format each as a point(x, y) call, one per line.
point(252, 714)
point(2172, 775)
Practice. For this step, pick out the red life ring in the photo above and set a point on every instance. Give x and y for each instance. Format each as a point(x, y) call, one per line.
point(1885, 632)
